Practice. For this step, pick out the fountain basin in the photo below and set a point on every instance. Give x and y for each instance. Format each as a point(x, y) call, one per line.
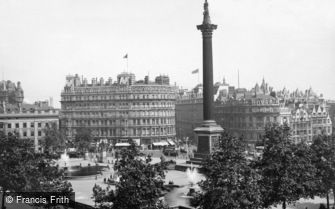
point(78, 171)
point(191, 192)
point(178, 192)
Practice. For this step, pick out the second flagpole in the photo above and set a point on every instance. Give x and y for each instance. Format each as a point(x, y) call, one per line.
point(198, 77)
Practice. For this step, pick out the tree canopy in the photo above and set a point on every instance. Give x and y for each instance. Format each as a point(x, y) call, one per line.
point(286, 169)
point(285, 172)
point(23, 170)
point(230, 181)
point(324, 160)
point(55, 139)
point(83, 139)
point(141, 183)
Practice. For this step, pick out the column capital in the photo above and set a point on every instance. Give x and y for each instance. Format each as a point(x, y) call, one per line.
point(207, 29)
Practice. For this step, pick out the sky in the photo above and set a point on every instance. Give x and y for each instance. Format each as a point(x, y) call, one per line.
point(291, 43)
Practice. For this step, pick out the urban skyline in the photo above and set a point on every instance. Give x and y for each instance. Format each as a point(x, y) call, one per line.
point(128, 138)
point(291, 46)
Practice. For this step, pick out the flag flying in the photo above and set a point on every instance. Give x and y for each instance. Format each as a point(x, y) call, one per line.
point(195, 71)
point(125, 56)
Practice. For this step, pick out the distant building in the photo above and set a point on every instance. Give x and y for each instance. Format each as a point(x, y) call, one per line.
point(307, 123)
point(162, 79)
point(301, 125)
point(121, 110)
point(11, 96)
point(245, 112)
point(189, 113)
point(248, 117)
point(24, 120)
point(331, 105)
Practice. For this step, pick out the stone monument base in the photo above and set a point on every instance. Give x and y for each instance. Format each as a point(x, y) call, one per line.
point(207, 136)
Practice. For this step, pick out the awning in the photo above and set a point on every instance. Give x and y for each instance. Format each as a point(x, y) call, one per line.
point(171, 142)
point(72, 149)
point(137, 142)
point(162, 143)
point(122, 144)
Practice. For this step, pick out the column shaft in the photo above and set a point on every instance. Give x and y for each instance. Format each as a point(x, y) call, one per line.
point(208, 94)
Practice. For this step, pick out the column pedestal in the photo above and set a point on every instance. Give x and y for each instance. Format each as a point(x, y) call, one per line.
point(207, 136)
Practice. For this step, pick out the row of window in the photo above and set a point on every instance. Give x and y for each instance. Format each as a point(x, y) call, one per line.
point(117, 114)
point(24, 125)
point(32, 134)
point(222, 110)
point(248, 120)
point(320, 121)
point(299, 139)
point(150, 131)
point(149, 121)
point(254, 119)
point(121, 104)
point(315, 131)
point(119, 97)
point(29, 134)
point(301, 125)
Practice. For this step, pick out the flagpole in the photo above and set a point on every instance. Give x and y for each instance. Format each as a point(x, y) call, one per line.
point(126, 57)
point(198, 77)
point(238, 78)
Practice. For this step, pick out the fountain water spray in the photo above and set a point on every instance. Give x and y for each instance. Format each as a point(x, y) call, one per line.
point(65, 159)
point(192, 175)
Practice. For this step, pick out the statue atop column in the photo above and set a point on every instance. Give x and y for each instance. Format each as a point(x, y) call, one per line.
point(207, 19)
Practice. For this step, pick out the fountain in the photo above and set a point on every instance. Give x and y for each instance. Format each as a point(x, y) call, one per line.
point(65, 159)
point(193, 177)
point(184, 186)
point(114, 178)
point(74, 168)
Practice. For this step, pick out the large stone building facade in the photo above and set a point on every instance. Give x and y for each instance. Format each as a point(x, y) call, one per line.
point(24, 120)
point(331, 105)
point(11, 96)
point(249, 116)
point(121, 110)
point(189, 109)
point(246, 112)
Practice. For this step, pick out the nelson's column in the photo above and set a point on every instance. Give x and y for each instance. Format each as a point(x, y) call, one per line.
point(209, 132)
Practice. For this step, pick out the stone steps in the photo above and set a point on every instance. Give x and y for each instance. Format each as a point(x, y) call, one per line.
point(196, 161)
point(200, 155)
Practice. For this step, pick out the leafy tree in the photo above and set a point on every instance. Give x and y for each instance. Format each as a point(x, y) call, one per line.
point(83, 139)
point(230, 181)
point(141, 183)
point(322, 206)
point(54, 139)
point(102, 197)
point(286, 168)
point(324, 161)
point(23, 170)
